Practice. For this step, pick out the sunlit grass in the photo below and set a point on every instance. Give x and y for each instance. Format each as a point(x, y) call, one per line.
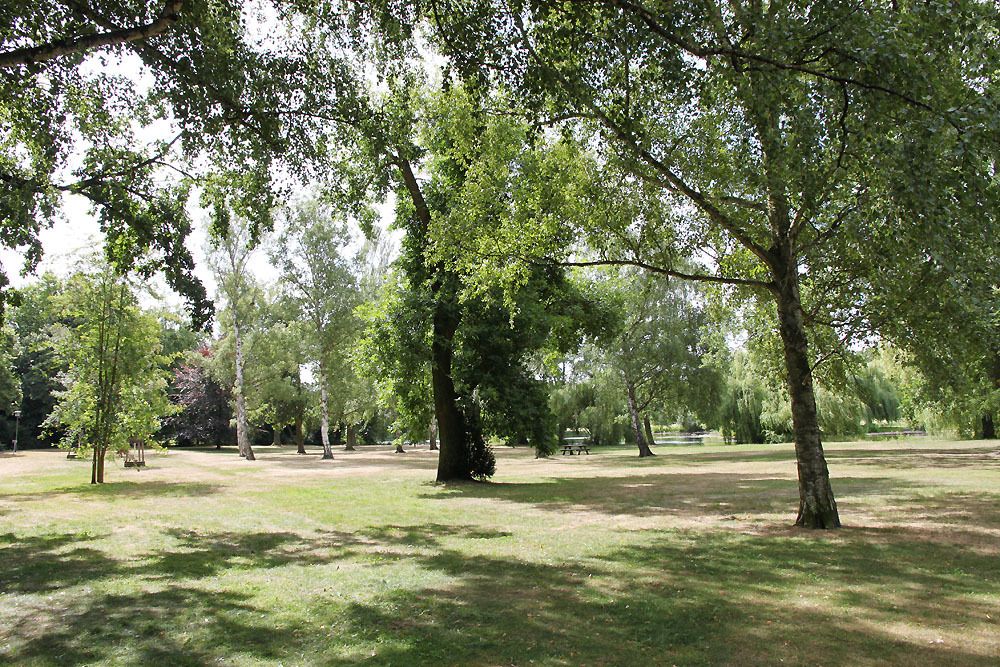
point(686, 558)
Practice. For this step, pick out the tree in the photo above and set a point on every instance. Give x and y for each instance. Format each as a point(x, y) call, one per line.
point(231, 259)
point(659, 350)
point(277, 348)
point(85, 85)
point(10, 383)
point(115, 386)
point(37, 367)
point(203, 414)
point(311, 253)
point(771, 137)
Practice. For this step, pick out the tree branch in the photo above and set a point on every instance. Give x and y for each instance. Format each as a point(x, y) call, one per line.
point(697, 277)
point(69, 46)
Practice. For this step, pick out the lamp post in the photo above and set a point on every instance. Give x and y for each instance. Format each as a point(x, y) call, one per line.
point(17, 424)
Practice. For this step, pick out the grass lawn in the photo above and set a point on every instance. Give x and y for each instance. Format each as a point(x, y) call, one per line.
point(684, 559)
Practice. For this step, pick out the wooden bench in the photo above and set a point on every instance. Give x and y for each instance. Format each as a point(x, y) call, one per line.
point(572, 448)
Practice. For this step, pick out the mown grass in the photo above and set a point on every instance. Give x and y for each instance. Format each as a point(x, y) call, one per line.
point(685, 559)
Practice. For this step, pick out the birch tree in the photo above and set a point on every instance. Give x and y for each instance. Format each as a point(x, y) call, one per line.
point(230, 262)
point(311, 253)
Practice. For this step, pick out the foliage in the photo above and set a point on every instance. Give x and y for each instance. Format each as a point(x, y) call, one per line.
point(394, 351)
point(323, 283)
point(10, 385)
point(37, 367)
point(115, 385)
point(204, 414)
point(220, 104)
point(743, 402)
point(662, 345)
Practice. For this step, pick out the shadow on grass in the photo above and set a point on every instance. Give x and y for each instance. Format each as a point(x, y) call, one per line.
point(177, 626)
point(676, 598)
point(705, 494)
point(883, 457)
point(40, 563)
point(118, 489)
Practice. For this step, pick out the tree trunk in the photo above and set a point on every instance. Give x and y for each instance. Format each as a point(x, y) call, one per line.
point(633, 413)
point(432, 435)
point(399, 448)
point(650, 440)
point(452, 459)
point(101, 457)
point(300, 436)
point(989, 429)
point(242, 438)
point(277, 435)
point(352, 438)
point(817, 506)
point(324, 429)
point(93, 467)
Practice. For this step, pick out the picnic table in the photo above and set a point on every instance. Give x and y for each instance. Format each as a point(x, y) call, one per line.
point(577, 445)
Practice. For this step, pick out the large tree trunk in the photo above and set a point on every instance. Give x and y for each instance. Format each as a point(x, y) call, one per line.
point(633, 413)
point(93, 467)
point(989, 428)
point(432, 435)
point(648, 429)
point(324, 429)
point(452, 460)
point(277, 435)
point(300, 436)
point(242, 437)
point(817, 506)
point(352, 438)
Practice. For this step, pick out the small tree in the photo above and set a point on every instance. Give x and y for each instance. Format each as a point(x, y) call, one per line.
point(204, 414)
point(115, 386)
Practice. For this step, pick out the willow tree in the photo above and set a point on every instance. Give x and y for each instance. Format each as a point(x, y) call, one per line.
point(790, 143)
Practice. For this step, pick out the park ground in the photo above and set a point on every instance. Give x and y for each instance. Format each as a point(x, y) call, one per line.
point(688, 558)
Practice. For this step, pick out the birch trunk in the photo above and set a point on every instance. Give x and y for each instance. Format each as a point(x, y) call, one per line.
point(633, 412)
point(817, 507)
point(324, 400)
point(242, 437)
